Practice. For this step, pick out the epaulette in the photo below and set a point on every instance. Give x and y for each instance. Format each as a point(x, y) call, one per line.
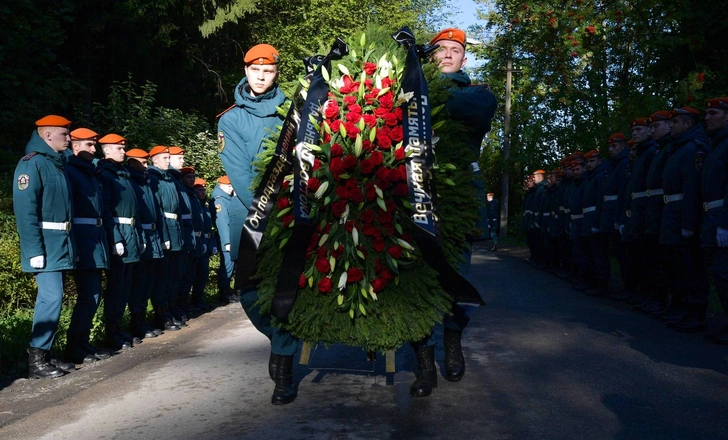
point(29, 155)
point(225, 111)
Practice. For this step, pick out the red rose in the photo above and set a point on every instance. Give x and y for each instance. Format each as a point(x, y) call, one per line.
point(387, 82)
point(391, 206)
point(349, 100)
point(354, 108)
point(324, 286)
point(382, 178)
point(287, 219)
point(342, 192)
point(369, 68)
point(316, 164)
point(366, 166)
point(322, 265)
point(386, 275)
point(313, 242)
point(398, 113)
point(590, 29)
point(395, 252)
point(371, 230)
point(383, 140)
point(353, 118)
point(377, 265)
point(378, 244)
point(368, 83)
point(399, 153)
point(352, 183)
point(370, 120)
point(350, 161)
point(381, 112)
point(378, 285)
point(367, 216)
point(283, 203)
point(336, 150)
point(371, 192)
point(322, 252)
point(335, 125)
point(354, 274)
point(351, 224)
point(338, 208)
point(331, 110)
point(351, 129)
point(377, 157)
point(336, 166)
point(355, 195)
point(391, 120)
point(336, 253)
point(313, 183)
point(367, 146)
point(302, 281)
point(397, 133)
point(401, 173)
point(349, 85)
point(400, 190)
point(385, 217)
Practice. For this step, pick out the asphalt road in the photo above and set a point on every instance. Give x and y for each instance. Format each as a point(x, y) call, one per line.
point(543, 362)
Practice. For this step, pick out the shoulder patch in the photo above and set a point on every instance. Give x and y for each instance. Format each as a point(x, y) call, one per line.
point(29, 155)
point(220, 141)
point(23, 182)
point(218, 208)
point(699, 159)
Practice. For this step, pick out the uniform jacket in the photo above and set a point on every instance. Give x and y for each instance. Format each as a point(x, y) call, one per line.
point(92, 242)
point(615, 185)
point(550, 211)
point(198, 222)
point(715, 187)
point(187, 237)
point(42, 193)
point(493, 213)
point(538, 205)
point(636, 203)
point(207, 238)
point(165, 191)
point(150, 215)
point(576, 205)
point(219, 204)
point(655, 203)
point(120, 202)
point(594, 197)
point(241, 131)
point(528, 209)
point(564, 210)
point(681, 175)
point(474, 105)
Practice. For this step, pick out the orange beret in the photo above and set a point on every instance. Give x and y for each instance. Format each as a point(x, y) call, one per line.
point(262, 54)
point(449, 34)
point(576, 162)
point(186, 170)
point(557, 172)
point(490, 194)
point(174, 150)
point(577, 155)
point(685, 111)
point(539, 172)
point(52, 121)
point(641, 122)
point(159, 149)
point(661, 115)
point(137, 153)
point(721, 103)
point(591, 154)
point(225, 180)
point(200, 182)
point(84, 134)
point(112, 139)
point(613, 139)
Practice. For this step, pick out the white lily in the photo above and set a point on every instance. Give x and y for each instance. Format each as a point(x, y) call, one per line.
point(342, 281)
point(322, 189)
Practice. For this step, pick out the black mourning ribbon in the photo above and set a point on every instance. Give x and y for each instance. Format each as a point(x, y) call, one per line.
point(311, 116)
point(420, 176)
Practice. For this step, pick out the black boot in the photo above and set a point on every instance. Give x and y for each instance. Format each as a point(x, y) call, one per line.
point(162, 319)
point(113, 338)
point(454, 359)
point(272, 367)
point(494, 248)
point(75, 351)
point(65, 366)
point(426, 372)
point(39, 367)
point(139, 326)
point(99, 353)
point(285, 391)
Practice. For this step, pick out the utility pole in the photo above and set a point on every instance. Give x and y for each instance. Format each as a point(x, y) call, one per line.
point(506, 146)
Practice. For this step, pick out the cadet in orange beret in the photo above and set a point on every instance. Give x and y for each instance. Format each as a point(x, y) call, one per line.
point(597, 242)
point(681, 220)
point(241, 131)
point(202, 270)
point(42, 203)
point(219, 204)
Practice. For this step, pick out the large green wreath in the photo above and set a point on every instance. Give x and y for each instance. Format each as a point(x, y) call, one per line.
point(364, 282)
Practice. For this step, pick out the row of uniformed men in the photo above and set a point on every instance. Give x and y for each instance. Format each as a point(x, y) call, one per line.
point(148, 226)
point(661, 204)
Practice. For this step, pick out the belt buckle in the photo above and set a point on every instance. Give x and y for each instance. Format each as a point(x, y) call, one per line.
point(99, 222)
point(133, 221)
point(632, 196)
point(665, 199)
point(68, 226)
point(705, 206)
point(154, 226)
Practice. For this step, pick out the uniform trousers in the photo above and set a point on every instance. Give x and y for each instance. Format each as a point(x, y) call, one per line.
point(225, 272)
point(47, 309)
point(201, 276)
point(719, 258)
point(580, 257)
point(88, 288)
point(687, 271)
point(118, 289)
point(142, 284)
point(161, 280)
point(598, 244)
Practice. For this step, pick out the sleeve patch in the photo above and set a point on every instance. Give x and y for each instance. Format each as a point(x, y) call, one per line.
point(218, 208)
point(23, 182)
point(220, 141)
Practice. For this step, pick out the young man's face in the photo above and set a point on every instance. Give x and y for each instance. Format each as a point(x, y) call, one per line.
point(615, 148)
point(680, 124)
point(538, 178)
point(114, 152)
point(592, 163)
point(57, 138)
point(161, 161)
point(715, 119)
point(86, 147)
point(640, 133)
point(177, 161)
point(450, 56)
point(137, 163)
point(261, 77)
point(200, 192)
point(577, 170)
point(189, 180)
point(660, 129)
